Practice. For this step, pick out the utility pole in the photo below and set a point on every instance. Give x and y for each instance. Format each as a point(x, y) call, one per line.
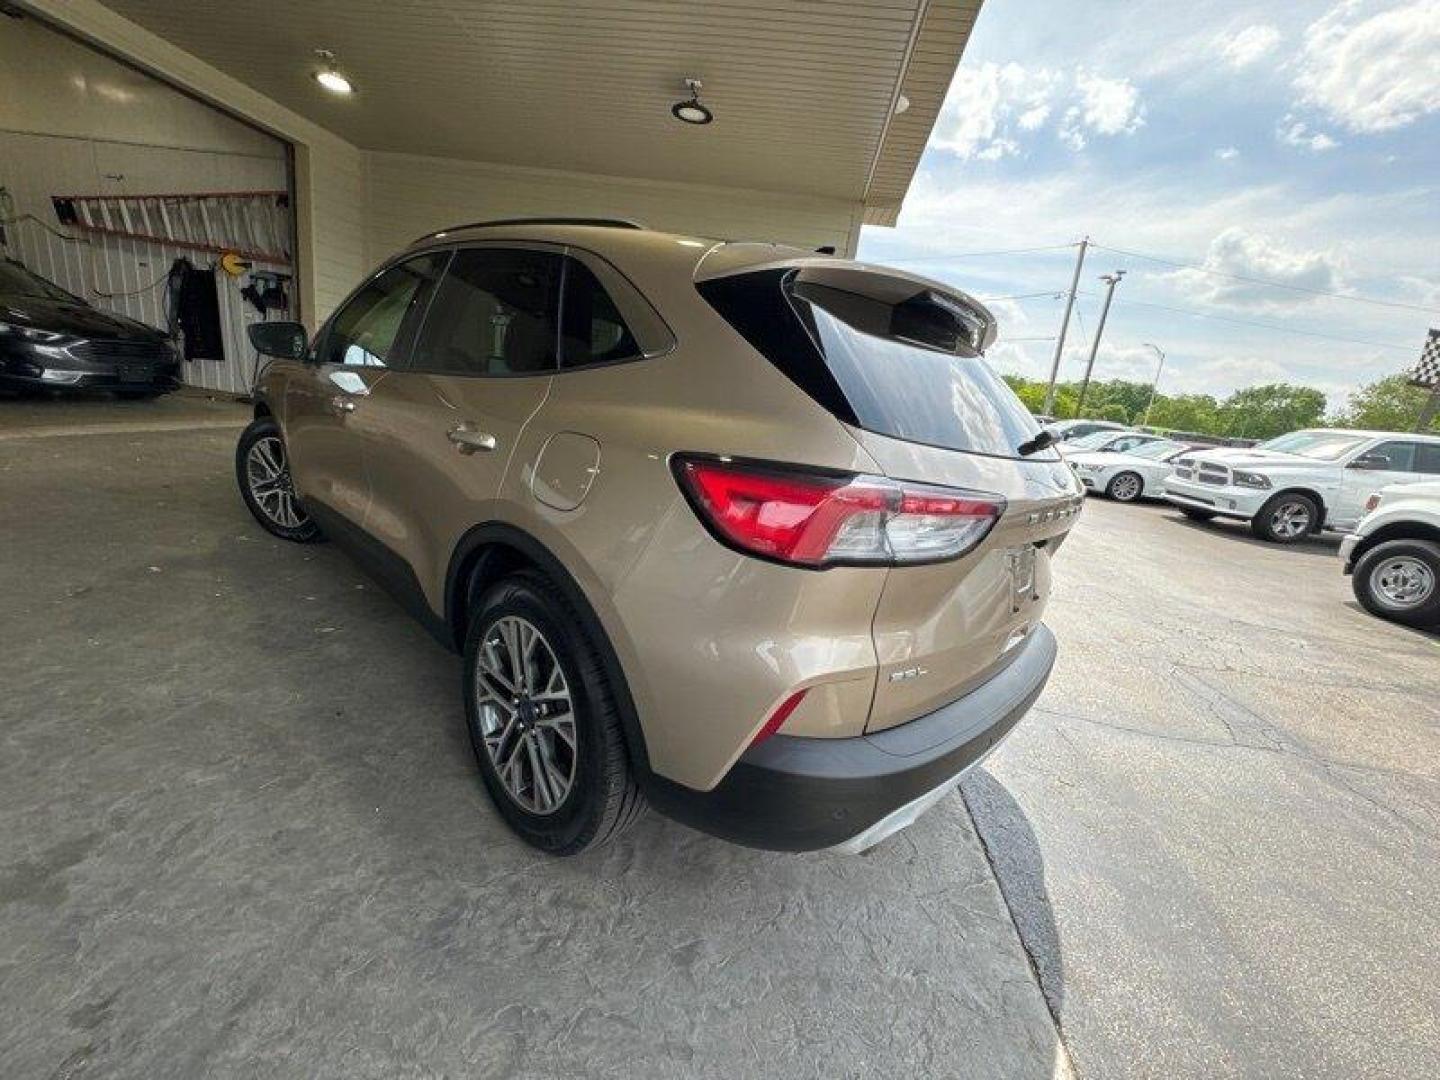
point(1154, 386)
point(1049, 409)
point(1111, 280)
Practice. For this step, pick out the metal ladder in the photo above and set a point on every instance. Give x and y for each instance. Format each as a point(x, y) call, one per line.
point(252, 224)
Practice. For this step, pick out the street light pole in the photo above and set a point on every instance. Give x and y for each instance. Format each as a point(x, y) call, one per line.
point(1049, 408)
point(1154, 386)
point(1111, 280)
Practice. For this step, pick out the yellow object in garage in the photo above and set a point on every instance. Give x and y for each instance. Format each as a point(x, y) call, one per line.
point(233, 264)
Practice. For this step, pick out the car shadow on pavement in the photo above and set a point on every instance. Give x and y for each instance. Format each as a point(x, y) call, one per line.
point(1324, 544)
point(1019, 868)
point(1424, 636)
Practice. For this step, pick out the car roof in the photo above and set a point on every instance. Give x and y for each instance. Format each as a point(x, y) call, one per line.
point(1361, 433)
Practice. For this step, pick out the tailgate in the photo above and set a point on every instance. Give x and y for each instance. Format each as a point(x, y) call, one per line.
point(942, 629)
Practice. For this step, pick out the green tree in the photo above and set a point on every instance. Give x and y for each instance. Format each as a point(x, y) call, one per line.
point(1262, 412)
point(1130, 397)
point(1199, 413)
point(1388, 404)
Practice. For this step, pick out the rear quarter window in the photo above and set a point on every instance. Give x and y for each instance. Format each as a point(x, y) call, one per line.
point(907, 370)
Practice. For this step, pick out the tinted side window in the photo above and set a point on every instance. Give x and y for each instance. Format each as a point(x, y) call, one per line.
point(364, 333)
point(592, 330)
point(1401, 455)
point(1427, 458)
point(493, 314)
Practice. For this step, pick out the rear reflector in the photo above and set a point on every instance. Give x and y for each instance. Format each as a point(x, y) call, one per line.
point(778, 717)
point(817, 519)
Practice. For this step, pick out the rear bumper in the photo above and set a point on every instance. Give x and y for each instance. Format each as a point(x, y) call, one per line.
point(802, 794)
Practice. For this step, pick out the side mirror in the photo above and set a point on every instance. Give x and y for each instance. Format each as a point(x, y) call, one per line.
point(283, 340)
point(1371, 461)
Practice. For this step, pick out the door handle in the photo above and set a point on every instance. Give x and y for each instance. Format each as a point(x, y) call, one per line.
point(340, 404)
point(467, 441)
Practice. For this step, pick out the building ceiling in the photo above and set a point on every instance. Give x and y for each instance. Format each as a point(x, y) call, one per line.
point(802, 90)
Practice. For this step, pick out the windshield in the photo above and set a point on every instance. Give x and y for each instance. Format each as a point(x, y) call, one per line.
point(908, 370)
point(15, 280)
point(897, 386)
point(1321, 445)
point(1161, 450)
point(1094, 440)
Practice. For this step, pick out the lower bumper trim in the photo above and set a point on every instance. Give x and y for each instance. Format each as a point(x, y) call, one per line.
point(804, 794)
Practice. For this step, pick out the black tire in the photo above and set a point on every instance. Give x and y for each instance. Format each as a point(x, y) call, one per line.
point(1125, 486)
point(1287, 518)
point(1197, 515)
point(302, 529)
point(1381, 560)
point(603, 799)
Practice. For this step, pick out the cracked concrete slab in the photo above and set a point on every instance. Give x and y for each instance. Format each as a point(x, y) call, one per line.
point(1219, 831)
point(241, 835)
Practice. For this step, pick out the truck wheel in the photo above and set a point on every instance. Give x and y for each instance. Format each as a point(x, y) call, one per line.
point(1286, 518)
point(1400, 580)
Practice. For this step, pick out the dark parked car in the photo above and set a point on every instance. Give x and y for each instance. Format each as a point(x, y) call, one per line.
point(51, 339)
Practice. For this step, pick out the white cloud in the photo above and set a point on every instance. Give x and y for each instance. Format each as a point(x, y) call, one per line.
point(1034, 117)
point(990, 106)
point(1109, 106)
point(1293, 132)
point(1373, 66)
point(981, 103)
point(1249, 45)
point(1227, 153)
point(1236, 251)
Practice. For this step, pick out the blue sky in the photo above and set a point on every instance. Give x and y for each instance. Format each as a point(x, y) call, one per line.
point(1295, 142)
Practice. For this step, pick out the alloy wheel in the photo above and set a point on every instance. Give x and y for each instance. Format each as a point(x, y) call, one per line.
point(268, 474)
point(1290, 520)
point(1125, 487)
point(1402, 582)
point(527, 716)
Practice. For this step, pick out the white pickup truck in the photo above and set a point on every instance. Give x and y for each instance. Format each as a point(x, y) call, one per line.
point(1300, 483)
point(1394, 555)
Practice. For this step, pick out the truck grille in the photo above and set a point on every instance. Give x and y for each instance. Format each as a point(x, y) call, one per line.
point(1217, 475)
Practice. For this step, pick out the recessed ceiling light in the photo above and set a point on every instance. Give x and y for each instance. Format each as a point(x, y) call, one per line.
point(329, 77)
point(692, 112)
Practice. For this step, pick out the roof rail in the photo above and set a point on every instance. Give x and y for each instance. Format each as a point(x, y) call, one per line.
point(605, 223)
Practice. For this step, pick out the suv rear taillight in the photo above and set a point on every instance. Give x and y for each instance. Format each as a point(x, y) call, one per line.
point(816, 518)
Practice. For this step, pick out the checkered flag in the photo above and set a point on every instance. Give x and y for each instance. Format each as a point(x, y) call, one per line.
point(1427, 372)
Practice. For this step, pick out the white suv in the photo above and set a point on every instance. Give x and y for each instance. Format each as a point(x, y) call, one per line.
point(1293, 486)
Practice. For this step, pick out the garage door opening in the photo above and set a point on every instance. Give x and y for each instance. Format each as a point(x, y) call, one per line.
point(147, 228)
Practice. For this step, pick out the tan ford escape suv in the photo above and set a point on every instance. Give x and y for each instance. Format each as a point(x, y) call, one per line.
point(743, 532)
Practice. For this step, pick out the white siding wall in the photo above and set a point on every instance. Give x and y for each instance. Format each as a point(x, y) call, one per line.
point(73, 121)
point(328, 185)
point(407, 196)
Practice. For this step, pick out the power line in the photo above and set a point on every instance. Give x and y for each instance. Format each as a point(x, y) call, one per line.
point(1266, 326)
point(1267, 283)
point(1052, 295)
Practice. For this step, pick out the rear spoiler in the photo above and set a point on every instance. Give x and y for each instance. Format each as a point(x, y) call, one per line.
point(885, 284)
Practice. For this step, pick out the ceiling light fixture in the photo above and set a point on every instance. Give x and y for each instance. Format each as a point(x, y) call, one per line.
point(692, 112)
point(329, 77)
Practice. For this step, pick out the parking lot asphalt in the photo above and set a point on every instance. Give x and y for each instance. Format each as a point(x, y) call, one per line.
point(1219, 831)
point(242, 835)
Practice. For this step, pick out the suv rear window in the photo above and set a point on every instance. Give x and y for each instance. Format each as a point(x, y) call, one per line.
point(906, 370)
